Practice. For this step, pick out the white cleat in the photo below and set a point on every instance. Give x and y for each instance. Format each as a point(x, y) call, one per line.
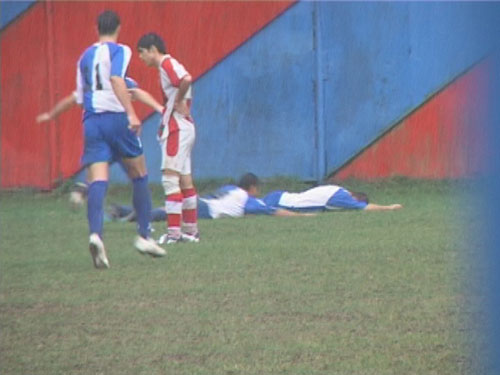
point(98, 252)
point(190, 237)
point(165, 239)
point(148, 246)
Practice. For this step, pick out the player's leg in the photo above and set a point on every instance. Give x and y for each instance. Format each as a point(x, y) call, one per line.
point(141, 200)
point(78, 192)
point(190, 197)
point(127, 146)
point(176, 165)
point(98, 185)
point(189, 209)
point(96, 155)
point(141, 196)
point(173, 205)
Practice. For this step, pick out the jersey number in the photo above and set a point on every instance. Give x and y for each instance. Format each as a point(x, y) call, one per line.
point(98, 85)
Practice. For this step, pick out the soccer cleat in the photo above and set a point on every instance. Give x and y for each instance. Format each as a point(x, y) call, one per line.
point(148, 246)
point(185, 237)
point(98, 252)
point(165, 239)
point(78, 195)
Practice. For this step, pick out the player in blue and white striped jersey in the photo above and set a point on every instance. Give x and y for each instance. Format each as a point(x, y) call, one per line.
point(111, 129)
point(69, 101)
point(324, 198)
point(238, 201)
point(78, 192)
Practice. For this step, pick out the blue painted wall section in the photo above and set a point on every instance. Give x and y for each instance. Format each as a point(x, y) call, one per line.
point(9, 10)
point(255, 110)
point(382, 60)
point(325, 79)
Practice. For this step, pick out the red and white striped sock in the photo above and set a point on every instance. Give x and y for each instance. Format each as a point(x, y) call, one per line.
point(173, 208)
point(189, 211)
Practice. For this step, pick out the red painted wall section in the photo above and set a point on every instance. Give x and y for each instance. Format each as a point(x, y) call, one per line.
point(26, 157)
point(199, 34)
point(441, 139)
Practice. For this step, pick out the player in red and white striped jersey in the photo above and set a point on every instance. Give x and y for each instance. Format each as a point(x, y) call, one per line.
point(176, 136)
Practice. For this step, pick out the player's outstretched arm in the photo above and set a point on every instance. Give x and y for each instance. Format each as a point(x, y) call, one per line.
point(285, 213)
point(146, 98)
point(60, 107)
point(378, 207)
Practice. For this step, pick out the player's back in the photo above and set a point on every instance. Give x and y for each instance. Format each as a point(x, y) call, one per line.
point(314, 198)
point(96, 66)
point(228, 201)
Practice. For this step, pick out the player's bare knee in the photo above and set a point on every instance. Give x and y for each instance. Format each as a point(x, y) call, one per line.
point(186, 182)
point(136, 167)
point(97, 172)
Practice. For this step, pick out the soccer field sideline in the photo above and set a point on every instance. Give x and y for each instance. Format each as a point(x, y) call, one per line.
point(340, 293)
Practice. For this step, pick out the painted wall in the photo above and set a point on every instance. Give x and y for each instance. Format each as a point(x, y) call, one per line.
point(10, 10)
point(383, 60)
point(281, 88)
point(53, 38)
point(443, 138)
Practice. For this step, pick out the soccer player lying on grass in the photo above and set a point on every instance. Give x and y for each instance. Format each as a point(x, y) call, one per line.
point(324, 198)
point(321, 198)
point(227, 201)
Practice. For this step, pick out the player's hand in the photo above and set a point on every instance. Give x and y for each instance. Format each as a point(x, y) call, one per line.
point(160, 109)
point(181, 108)
point(396, 206)
point(43, 117)
point(134, 124)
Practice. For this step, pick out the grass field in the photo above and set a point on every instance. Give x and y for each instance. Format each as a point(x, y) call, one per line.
point(340, 293)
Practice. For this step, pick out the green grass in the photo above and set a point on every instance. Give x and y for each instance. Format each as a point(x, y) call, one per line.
point(340, 293)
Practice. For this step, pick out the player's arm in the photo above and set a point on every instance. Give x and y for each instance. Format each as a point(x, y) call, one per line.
point(179, 104)
point(60, 107)
point(121, 92)
point(378, 207)
point(256, 206)
point(146, 98)
point(285, 213)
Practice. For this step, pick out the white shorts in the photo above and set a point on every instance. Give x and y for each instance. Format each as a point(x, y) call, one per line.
point(176, 143)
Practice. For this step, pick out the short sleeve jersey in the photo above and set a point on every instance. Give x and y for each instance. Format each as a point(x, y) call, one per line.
point(232, 201)
point(327, 197)
point(96, 66)
point(171, 74)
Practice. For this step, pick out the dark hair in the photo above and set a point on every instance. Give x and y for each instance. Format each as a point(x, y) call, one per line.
point(107, 22)
point(248, 180)
point(152, 39)
point(360, 197)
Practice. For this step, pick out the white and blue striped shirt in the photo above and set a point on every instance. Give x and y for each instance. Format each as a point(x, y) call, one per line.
point(95, 68)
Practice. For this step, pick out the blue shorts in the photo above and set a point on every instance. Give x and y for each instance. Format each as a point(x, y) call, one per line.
point(203, 211)
point(108, 138)
point(272, 199)
point(342, 199)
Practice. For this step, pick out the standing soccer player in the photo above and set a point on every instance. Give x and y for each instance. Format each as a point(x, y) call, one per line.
point(176, 135)
point(111, 131)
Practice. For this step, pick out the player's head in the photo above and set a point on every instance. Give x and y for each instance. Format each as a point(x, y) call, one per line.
point(108, 23)
point(150, 47)
point(360, 197)
point(250, 183)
